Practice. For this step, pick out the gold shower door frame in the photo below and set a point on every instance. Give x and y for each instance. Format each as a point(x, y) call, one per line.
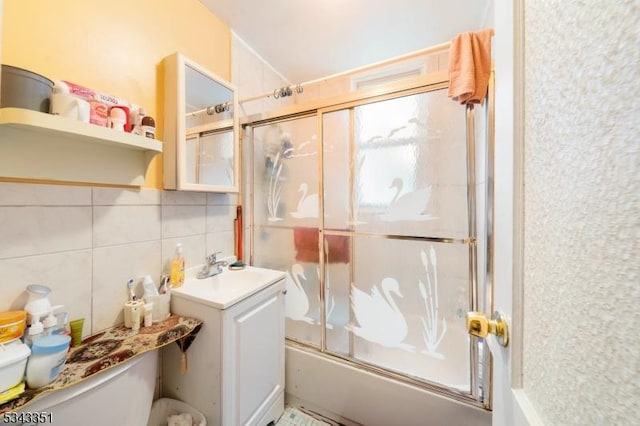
point(480, 369)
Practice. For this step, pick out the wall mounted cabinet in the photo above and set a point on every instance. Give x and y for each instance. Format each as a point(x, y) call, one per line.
point(36, 145)
point(201, 129)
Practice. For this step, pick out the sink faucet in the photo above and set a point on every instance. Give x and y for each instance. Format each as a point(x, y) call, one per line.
point(212, 266)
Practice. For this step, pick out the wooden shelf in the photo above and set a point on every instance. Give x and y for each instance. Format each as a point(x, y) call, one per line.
point(83, 363)
point(36, 145)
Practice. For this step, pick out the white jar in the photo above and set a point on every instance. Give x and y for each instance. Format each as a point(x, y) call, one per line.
point(13, 360)
point(48, 355)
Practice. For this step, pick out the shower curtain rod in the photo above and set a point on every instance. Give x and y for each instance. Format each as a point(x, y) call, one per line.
point(288, 90)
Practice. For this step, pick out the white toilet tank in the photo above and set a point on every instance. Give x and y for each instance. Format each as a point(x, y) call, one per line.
point(119, 396)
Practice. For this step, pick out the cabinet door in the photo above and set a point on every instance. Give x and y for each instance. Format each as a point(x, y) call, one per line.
point(253, 356)
point(201, 129)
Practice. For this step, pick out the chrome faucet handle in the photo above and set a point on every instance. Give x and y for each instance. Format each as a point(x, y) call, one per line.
point(211, 259)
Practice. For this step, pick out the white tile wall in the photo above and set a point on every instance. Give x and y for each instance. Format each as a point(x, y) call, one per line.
point(14, 194)
point(67, 273)
point(112, 267)
point(125, 224)
point(253, 76)
point(85, 243)
point(33, 230)
point(178, 221)
point(116, 196)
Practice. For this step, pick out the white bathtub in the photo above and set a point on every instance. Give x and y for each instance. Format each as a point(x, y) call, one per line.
point(357, 397)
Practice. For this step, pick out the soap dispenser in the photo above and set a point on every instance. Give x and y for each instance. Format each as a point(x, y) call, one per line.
point(35, 330)
point(177, 267)
point(50, 322)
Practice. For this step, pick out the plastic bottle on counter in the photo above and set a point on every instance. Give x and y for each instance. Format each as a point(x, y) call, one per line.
point(148, 127)
point(135, 316)
point(49, 323)
point(176, 276)
point(148, 314)
point(149, 287)
point(48, 355)
point(63, 324)
point(34, 331)
point(117, 118)
point(136, 119)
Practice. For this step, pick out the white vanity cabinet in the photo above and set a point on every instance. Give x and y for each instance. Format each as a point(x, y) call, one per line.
point(235, 372)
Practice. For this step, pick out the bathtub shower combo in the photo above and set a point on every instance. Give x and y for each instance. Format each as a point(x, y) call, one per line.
point(377, 207)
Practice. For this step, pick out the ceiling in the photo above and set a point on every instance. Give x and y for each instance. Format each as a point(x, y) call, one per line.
point(309, 39)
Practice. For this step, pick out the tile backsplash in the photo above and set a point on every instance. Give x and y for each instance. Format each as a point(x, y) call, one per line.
point(86, 242)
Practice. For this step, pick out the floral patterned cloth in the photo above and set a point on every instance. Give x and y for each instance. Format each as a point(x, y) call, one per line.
point(108, 349)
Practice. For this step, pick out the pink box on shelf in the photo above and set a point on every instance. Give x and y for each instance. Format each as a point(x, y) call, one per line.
point(100, 103)
point(99, 113)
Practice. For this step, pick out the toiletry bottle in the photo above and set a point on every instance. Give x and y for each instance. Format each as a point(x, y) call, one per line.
point(149, 287)
point(63, 324)
point(148, 127)
point(177, 267)
point(133, 117)
point(148, 314)
point(130, 309)
point(135, 316)
point(136, 121)
point(34, 332)
point(49, 324)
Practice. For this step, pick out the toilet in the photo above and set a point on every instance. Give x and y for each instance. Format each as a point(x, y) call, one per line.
point(121, 395)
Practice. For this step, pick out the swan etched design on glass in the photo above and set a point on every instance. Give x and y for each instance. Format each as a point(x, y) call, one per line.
point(408, 206)
point(275, 188)
point(308, 205)
point(297, 306)
point(379, 317)
point(430, 296)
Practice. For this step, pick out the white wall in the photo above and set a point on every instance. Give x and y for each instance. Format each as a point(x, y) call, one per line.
point(253, 76)
point(86, 242)
point(582, 218)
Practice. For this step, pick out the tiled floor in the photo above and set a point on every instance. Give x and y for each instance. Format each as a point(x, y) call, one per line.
point(295, 417)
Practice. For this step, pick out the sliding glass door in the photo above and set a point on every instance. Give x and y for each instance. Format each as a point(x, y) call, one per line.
point(367, 206)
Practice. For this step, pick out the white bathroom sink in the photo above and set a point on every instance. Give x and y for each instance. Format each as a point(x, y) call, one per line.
point(227, 288)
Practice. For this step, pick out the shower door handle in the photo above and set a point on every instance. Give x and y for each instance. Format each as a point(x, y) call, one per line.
point(479, 325)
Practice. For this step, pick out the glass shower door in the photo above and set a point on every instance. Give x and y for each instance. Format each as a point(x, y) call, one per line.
point(395, 181)
point(367, 209)
point(287, 217)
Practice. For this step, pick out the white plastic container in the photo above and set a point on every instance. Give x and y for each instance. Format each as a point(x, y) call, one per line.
point(161, 306)
point(132, 310)
point(13, 360)
point(48, 355)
